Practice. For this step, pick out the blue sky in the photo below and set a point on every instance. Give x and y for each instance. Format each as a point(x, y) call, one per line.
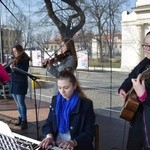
point(21, 4)
point(35, 6)
point(130, 5)
point(5, 15)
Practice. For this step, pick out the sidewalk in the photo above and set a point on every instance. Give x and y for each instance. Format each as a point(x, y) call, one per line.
point(112, 130)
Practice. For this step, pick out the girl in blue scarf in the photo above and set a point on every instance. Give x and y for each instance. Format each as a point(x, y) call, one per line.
point(71, 120)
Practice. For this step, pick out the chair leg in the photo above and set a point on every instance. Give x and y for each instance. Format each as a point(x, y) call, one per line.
point(96, 137)
point(4, 94)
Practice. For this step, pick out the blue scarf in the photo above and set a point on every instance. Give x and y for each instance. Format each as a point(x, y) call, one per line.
point(63, 109)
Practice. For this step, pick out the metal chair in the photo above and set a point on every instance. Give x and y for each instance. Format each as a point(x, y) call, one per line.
point(96, 139)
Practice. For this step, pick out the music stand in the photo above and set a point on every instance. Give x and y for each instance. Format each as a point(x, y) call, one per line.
point(34, 78)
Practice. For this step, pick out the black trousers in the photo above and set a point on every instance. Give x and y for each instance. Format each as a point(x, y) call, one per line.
point(136, 138)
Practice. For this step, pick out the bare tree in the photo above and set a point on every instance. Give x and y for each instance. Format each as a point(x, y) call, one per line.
point(106, 18)
point(67, 16)
point(18, 20)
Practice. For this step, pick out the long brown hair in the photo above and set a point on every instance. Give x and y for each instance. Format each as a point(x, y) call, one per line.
point(71, 47)
point(65, 74)
point(21, 54)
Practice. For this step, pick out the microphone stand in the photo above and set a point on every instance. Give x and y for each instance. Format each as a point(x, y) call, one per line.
point(34, 78)
point(35, 103)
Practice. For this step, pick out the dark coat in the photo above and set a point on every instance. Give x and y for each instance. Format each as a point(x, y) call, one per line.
point(82, 122)
point(19, 81)
point(127, 84)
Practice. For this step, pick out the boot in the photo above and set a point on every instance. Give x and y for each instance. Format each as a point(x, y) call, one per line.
point(19, 122)
point(24, 125)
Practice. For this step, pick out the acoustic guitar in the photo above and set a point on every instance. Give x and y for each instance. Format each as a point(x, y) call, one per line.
point(132, 102)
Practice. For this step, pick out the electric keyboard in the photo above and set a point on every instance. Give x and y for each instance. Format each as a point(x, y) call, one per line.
point(24, 140)
point(33, 142)
point(13, 141)
point(9, 143)
point(20, 142)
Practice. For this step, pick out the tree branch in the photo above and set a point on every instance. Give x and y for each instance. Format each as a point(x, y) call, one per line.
point(67, 30)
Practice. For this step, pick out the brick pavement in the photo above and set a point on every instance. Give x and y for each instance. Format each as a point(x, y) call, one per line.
point(111, 129)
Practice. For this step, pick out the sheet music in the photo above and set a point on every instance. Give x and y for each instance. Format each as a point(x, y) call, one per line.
point(4, 129)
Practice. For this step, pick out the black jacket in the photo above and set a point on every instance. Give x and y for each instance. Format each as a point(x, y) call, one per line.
point(19, 81)
point(82, 122)
point(127, 84)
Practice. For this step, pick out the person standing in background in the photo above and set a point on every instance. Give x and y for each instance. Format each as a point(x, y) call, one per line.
point(139, 130)
point(19, 83)
point(69, 60)
point(71, 120)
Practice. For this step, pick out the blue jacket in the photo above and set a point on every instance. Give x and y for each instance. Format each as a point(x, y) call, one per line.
point(82, 122)
point(19, 81)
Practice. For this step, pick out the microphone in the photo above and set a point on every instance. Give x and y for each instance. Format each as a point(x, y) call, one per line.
point(25, 73)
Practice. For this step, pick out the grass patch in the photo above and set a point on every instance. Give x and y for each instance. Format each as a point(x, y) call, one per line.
point(114, 63)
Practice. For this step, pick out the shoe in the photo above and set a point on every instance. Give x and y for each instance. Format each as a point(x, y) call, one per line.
point(19, 122)
point(24, 125)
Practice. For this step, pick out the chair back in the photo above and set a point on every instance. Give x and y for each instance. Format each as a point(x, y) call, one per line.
point(4, 77)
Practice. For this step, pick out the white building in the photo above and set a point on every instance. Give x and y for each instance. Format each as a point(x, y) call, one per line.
point(134, 27)
point(116, 49)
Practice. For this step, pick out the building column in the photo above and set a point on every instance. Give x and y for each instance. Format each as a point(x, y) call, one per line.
point(140, 37)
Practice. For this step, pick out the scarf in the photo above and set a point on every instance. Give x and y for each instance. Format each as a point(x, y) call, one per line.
point(63, 110)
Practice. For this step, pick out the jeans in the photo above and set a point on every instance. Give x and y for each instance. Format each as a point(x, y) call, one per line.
point(21, 106)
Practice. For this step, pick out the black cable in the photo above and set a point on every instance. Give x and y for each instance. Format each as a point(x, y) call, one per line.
point(10, 11)
point(20, 23)
point(115, 148)
point(32, 36)
point(39, 85)
point(36, 111)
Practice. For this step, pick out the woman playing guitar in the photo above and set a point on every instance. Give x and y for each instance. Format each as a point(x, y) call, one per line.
point(139, 131)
